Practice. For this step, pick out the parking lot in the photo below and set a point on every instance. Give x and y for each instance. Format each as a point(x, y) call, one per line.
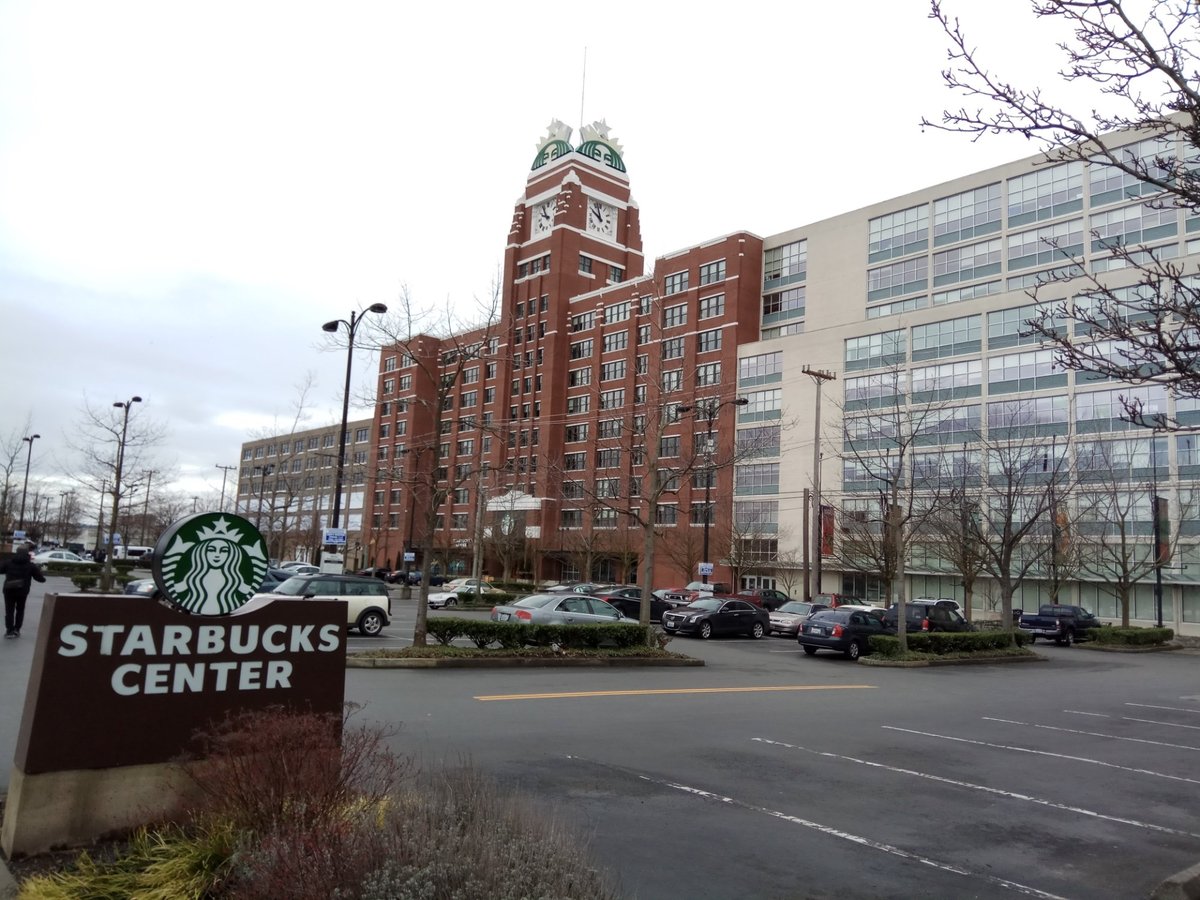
point(771, 774)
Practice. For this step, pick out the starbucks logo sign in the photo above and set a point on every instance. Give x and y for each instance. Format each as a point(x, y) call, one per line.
point(210, 564)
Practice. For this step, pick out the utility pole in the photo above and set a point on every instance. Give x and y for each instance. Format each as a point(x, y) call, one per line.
point(819, 377)
point(225, 470)
point(146, 504)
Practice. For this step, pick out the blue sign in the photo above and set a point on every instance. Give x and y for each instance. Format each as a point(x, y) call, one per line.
point(335, 536)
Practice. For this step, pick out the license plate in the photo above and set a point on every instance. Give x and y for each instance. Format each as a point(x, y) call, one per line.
point(502, 617)
point(667, 624)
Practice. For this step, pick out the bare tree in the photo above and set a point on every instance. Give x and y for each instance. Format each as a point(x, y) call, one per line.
point(437, 351)
point(12, 449)
point(113, 441)
point(953, 533)
point(1145, 137)
point(1117, 544)
point(884, 431)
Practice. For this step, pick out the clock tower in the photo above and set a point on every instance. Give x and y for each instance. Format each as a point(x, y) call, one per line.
point(575, 231)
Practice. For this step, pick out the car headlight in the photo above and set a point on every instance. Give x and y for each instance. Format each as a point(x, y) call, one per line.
point(145, 589)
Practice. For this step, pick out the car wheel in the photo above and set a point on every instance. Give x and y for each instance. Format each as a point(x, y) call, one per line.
point(453, 601)
point(706, 630)
point(853, 650)
point(757, 631)
point(1033, 639)
point(810, 651)
point(1068, 638)
point(370, 623)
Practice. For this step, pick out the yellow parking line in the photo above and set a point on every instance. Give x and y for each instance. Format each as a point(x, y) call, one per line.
point(719, 690)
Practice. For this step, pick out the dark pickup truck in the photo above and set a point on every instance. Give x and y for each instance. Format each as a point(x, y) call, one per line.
point(1060, 623)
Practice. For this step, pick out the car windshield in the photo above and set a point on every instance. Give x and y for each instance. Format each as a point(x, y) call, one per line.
point(796, 606)
point(706, 603)
point(698, 586)
point(537, 601)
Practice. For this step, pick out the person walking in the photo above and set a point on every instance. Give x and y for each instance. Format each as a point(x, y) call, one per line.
point(20, 573)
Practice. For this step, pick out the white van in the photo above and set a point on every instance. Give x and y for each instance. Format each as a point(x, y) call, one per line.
point(131, 552)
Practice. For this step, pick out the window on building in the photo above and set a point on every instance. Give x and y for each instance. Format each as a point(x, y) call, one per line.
point(571, 518)
point(577, 377)
point(406, 382)
point(707, 341)
point(673, 348)
point(906, 277)
point(669, 446)
point(609, 428)
point(389, 386)
point(968, 215)
point(579, 404)
point(583, 321)
point(765, 368)
point(643, 334)
point(666, 514)
point(711, 307)
point(898, 234)
point(968, 263)
point(612, 399)
point(710, 273)
point(616, 341)
point(577, 433)
point(615, 274)
point(585, 264)
point(672, 380)
point(675, 315)
point(581, 349)
point(1045, 193)
point(875, 351)
point(951, 337)
point(786, 264)
point(675, 283)
point(758, 478)
point(708, 374)
point(761, 405)
point(612, 371)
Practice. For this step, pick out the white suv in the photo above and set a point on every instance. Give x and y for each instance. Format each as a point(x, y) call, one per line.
point(368, 604)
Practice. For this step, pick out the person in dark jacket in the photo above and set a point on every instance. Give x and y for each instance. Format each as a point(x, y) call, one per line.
point(20, 573)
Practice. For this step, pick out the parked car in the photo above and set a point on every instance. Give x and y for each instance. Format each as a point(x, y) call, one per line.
point(694, 590)
point(414, 578)
point(302, 569)
point(146, 587)
point(842, 630)
point(374, 572)
point(559, 609)
point(945, 602)
point(786, 620)
point(368, 606)
point(59, 558)
point(577, 587)
point(629, 602)
point(291, 564)
point(768, 598)
point(926, 617)
point(1060, 623)
point(717, 615)
point(460, 585)
point(449, 594)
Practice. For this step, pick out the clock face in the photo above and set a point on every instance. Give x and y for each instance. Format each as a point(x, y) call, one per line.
point(601, 218)
point(543, 217)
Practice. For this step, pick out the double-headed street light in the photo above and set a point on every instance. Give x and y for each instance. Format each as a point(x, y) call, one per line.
point(28, 458)
point(120, 464)
point(707, 409)
point(351, 327)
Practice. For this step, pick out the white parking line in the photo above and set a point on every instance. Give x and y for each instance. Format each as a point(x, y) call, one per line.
point(834, 832)
point(1082, 759)
point(1111, 737)
point(1194, 712)
point(1027, 798)
point(1132, 719)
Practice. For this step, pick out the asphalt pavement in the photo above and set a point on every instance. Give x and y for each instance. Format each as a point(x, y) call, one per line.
point(769, 774)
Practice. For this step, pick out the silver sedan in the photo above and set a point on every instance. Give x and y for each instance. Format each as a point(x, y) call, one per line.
point(788, 618)
point(560, 609)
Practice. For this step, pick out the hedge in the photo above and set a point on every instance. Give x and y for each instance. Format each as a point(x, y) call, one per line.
point(1133, 637)
point(943, 642)
point(511, 635)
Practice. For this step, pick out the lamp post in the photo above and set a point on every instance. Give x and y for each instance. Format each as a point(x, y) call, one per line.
point(28, 459)
point(120, 463)
point(708, 408)
point(146, 504)
point(351, 327)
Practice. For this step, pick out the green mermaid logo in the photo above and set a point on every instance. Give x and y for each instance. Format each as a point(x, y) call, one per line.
point(210, 564)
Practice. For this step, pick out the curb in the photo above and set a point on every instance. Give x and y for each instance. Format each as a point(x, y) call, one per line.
point(1183, 885)
point(929, 663)
point(1122, 648)
point(513, 662)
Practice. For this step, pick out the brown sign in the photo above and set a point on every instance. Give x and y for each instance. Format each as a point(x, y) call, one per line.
point(120, 681)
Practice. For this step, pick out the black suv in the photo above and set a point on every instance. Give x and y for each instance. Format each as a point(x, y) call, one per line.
point(926, 617)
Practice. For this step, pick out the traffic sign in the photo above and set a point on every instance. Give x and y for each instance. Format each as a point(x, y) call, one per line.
point(334, 536)
point(706, 568)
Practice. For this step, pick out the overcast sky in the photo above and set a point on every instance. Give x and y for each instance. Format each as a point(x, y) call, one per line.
point(189, 190)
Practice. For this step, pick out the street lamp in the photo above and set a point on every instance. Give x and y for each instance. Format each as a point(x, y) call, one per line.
point(120, 463)
point(351, 327)
point(708, 408)
point(28, 458)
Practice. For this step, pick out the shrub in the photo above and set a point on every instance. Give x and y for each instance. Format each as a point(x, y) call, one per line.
point(1133, 637)
point(511, 635)
point(84, 582)
point(945, 642)
point(282, 768)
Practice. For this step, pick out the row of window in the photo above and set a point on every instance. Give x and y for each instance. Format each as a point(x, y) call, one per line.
point(710, 273)
point(284, 448)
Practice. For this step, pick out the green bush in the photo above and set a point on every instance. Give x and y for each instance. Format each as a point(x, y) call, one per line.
point(940, 643)
point(84, 582)
point(66, 570)
point(1133, 637)
point(511, 635)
